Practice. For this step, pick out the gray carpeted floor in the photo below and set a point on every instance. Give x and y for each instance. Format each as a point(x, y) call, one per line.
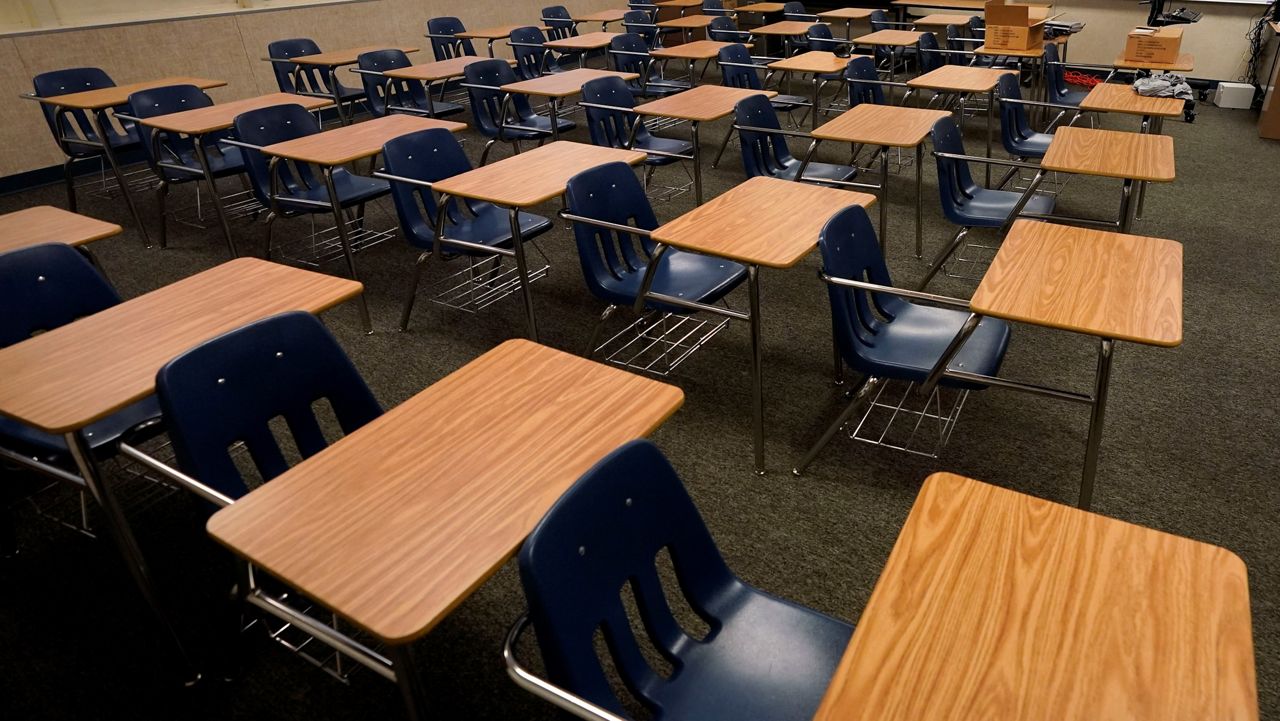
point(1189, 448)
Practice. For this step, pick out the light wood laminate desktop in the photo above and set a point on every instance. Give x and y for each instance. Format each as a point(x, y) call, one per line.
point(965, 80)
point(848, 15)
point(817, 63)
point(1111, 154)
point(47, 224)
point(558, 86)
point(604, 17)
point(1117, 98)
point(940, 20)
point(1000, 606)
point(1185, 63)
point(493, 34)
point(785, 28)
point(765, 8)
point(438, 70)
point(691, 52)
point(582, 43)
point(347, 56)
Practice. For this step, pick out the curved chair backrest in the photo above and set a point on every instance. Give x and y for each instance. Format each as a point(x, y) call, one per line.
point(723, 30)
point(431, 156)
point(602, 535)
point(820, 37)
point(389, 92)
point(444, 48)
point(228, 390)
point(1054, 77)
point(795, 11)
point(863, 68)
point(293, 78)
point(612, 193)
point(1014, 125)
point(69, 122)
point(559, 22)
point(738, 77)
point(879, 20)
point(930, 57)
point(162, 101)
point(631, 56)
point(43, 287)
point(487, 102)
point(956, 45)
point(977, 26)
point(531, 61)
point(714, 7)
point(611, 128)
point(850, 250)
point(955, 182)
point(762, 153)
point(275, 124)
point(640, 23)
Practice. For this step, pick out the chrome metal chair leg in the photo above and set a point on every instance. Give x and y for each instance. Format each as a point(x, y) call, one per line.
point(69, 179)
point(942, 256)
point(271, 220)
point(418, 267)
point(162, 194)
point(593, 343)
point(860, 394)
point(484, 156)
point(727, 137)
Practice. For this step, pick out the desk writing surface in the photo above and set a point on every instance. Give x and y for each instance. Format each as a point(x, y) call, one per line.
point(960, 79)
point(47, 224)
point(941, 20)
point(69, 377)
point(892, 125)
point(349, 56)
point(896, 38)
point(223, 115)
point(562, 85)
point(687, 22)
point(696, 50)
point(847, 14)
point(1126, 287)
point(604, 16)
point(678, 3)
point(700, 104)
point(1117, 98)
point(1111, 154)
point(999, 606)
point(585, 41)
point(812, 61)
point(392, 528)
point(977, 5)
point(1185, 63)
point(1036, 52)
point(762, 8)
point(534, 176)
point(764, 221)
point(496, 32)
point(439, 70)
point(119, 94)
point(353, 142)
point(786, 27)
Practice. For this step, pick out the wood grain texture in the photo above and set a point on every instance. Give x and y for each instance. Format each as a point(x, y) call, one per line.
point(889, 37)
point(978, 5)
point(1036, 52)
point(1127, 287)
point(47, 224)
point(585, 41)
point(69, 377)
point(497, 32)
point(959, 79)
point(764, 221)
point(813, 61)
point(696, 50)
point(785, 27)
point(688, 22)
point(1116, 98)
point(353, 142)
point(119, 94)
point(892, 125)
point(847, 14)
point(562, 85)
point(347, 56)
point(679, 3)
point(700, 104)
point(937, 20)
point(1111, 154)
point(393, 526)
point(439, 70)
point(534, 176)
point(223, 115)
point(603, 16)
point(1185, 63)
point(762, 8)
point(999, 606)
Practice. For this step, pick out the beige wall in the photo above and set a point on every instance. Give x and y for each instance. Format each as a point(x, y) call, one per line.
point(227, 47)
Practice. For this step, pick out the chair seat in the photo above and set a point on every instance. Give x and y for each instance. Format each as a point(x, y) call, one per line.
point(991, 208)
point(788, 102)
point(1071, 97)
point(770, 660)
point(222, 165)
point(351, 189)
point(489, 226)
point(665, 145)
point(346, 94)
point(690, 276)
point(101, 436)
point(535, 127)
point(909, 347)
point(1032, 146)
point(817, 171)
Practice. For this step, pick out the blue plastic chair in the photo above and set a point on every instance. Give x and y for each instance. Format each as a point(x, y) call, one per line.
point(302, 192)
point(886, 336)
point(765, 150)
point(797, 12)
point(739, 70)
point(612, 125)
point(71, 128)
point(532, 59)
point(229, 389)
point(1056, 81)
point(442, 32)
point(173, 157)
point(716, 7)
point(306, 79)
point(560, 25)
point(614, 263)
point(762, 658)
point(889, 57)
point(391, 95)
point(489, 108)
point(482, 229)
point(724, 30)
point(964, 202)
point(643, 24)
point(864, 82)
point(42, 288)
point(1016, 134)
point(630, 54)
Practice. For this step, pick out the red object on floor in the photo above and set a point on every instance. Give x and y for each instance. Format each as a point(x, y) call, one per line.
point(1075, 77)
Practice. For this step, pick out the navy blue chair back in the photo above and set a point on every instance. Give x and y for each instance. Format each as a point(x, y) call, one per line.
point(430, 156)
point(863, 68)
point(631, 63)
point(531, 62)
point(714, 7)
point(1014, 124)
point(71, 122)
point(879, 20)
point(172, 148)
point(1054, 76)
point(388, 92)
point(559, 22)
point(292, 78)
point(955, 182)
point(723, 30)
point(43, 287)
point(795, 11)
point(738, 77)
point(612, 261)
point(275, 124)
point(762, 153)
point(850, 250)
point(445, 48)
point(228, 390)
point(956, 46)
point(640, 23)
point(930, 58)
point(611, 128)
point(486, 103)
point(820, 37)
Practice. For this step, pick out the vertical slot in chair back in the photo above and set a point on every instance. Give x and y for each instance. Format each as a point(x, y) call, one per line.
point(267, 126)
point(430, 156)
point(70, 124)
point(762, 153)
point(385, 93)
point(559, 22)
point(444, 45)
point(864, 86)
point(293, 78)
point(732, 74)
point(955, 182)
point(163, 101)
point(850, 250)
point(532, 59)
point(612, 261)
point(611, 128)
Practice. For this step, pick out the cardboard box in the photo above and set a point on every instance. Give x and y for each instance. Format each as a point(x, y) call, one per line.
point(1012, 26)
point(1154, 45)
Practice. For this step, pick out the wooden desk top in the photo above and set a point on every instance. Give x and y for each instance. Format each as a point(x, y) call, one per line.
point(889, 37)
point(960, 79)
point(887, 125)
point(393, 532)
point(1111, 154)
point(562, 85)
point(604, 16)
point(496, 32)
point(1116, 98)
point(349, 56)
point(586, 41)
point(978, 5)
point(847, 14)
point(679, 3)
point(1036, 52)
point(353, 142)
point(941, 20)
point(439, 70)
point(119, 94)
point(1000, 606)
point(687, 22)
point(223, 115)
point(813, 61)
point(696, 50)
point(1185, 63)
point(69, 377)
point(763, 221)
point(534, 176)
point(786, 27)
point(1126, 287)
point(761, 8)
point(700, 104)
point(47, 224)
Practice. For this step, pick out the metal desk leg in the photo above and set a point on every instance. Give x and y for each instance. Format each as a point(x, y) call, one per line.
point(697, 162)
point(100, 129)
point(522, 267)
point(341, 222)
point(409, 681)
point(343, 118)
point(202, 156)
point(1106, 348)
point(1148, 126)
point(884, 200)
point(118, 527)
point(991, 112)
point(554, 104)
point(919, 200)
point(757, 384)
point(1126, 206)
point(816, 87)
point(491, 41)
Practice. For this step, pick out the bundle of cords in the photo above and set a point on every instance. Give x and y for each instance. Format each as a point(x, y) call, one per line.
point(1257, 44)
point(1083, 79)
